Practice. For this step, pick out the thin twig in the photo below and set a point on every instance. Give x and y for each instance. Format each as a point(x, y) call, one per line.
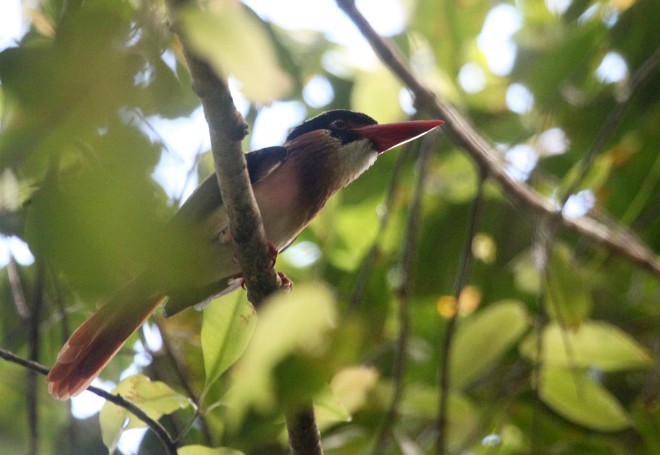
point(157, 428)
point(36, 304)
point(304, 436)
point(12, 222)
point(613, 120)
point(547, 232)
point(177, 365)
point(369, 262)
point(486, 157)
point(539, 323)
point(61, 316)
point(403, 293)
point(31, 315)
point(445, 355)
point(16, 289)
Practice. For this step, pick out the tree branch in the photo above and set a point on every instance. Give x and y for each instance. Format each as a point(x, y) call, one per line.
point(34, 319)
point(227, 129)
point(304, 436)
point(613, 120)
point(450, 330)
point(369, 261)
point(465, 135)
point(162, 434)
point(404, 292)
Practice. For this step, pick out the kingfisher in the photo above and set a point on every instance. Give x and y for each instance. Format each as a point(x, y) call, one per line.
point(291, 183)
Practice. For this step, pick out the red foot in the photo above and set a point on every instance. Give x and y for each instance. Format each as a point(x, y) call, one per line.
point(284, 282)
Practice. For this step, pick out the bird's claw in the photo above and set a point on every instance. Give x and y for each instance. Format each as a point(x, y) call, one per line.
point(284, 282)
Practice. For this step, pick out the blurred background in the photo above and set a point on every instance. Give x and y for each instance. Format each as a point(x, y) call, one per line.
point(102, 138)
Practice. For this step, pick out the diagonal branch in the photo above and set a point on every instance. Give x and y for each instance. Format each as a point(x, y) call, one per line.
point(465, 135)
point(160, 431)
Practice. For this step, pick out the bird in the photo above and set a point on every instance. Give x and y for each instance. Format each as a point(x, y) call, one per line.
point(291, 183)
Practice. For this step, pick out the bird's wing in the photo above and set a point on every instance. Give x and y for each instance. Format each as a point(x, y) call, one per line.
point(203, 218)
point(206, 198)
point(261, 163)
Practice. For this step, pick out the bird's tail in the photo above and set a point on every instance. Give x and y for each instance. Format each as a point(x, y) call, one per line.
point(98, 339)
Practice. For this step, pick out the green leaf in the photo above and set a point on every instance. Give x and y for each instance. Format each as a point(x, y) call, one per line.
point(329, 409)
point(526, 276)
point(583, 401)
point(483, 338)
point(346, 394)
point(154, 398)
point(234, 42)
point(593, 344)
point(646, 419)
point(421, 401)
point(289, 324)
point(569, 300)
point(226, 330)
point(202, 450)
point(351, 386)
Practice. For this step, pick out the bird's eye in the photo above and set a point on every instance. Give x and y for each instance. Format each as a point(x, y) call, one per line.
point(338, 124)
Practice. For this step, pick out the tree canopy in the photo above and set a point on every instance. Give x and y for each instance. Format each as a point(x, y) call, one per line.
point(492, 288)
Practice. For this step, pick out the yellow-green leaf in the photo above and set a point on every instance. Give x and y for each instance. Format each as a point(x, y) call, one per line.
point(583, 401)
point(569, 300)
point(421, 402)
point(484, 337)
point(593, 344)
point(351, 386)
point(154, 398)
point(329, 409)
point(346, 394)
point(233, 42)
point(288, 324)
point(203, 450)
point(226, 330)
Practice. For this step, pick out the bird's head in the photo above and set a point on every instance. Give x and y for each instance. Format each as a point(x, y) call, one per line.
point(342, 144)
point(348, 126)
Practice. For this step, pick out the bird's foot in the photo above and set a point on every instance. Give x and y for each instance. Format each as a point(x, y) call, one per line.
point(284, 282)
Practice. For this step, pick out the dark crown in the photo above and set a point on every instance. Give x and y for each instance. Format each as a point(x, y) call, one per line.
point(339, 122)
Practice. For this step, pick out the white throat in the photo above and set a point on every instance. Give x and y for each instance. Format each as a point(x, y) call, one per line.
point(355, 158)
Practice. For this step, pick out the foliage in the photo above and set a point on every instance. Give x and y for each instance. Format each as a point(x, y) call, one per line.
point(557, 360)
